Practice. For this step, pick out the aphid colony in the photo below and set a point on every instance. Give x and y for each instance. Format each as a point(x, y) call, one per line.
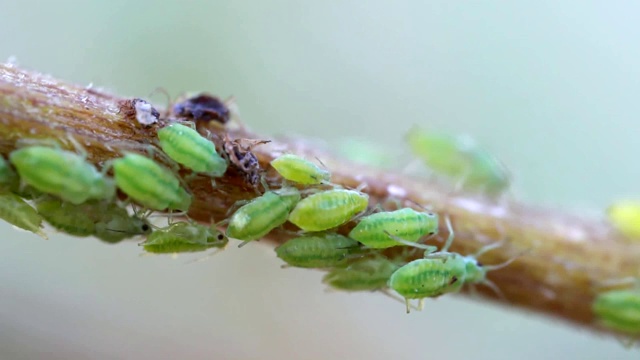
point(73, 196)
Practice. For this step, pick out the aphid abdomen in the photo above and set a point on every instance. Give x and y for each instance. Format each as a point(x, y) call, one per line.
point(426, 278)
point(150, 184)
point(328, 209)
point(60, 173)
point(66, 217)
point(260, 216)
point(363, 275)
point(619, 310)
point(321, 251)
point(16, 211)
point(173, 244)
point(406, 224)
point(297, 169)
point(187, 147)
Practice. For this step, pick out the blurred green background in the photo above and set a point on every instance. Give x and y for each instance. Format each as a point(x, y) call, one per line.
point(551, 88)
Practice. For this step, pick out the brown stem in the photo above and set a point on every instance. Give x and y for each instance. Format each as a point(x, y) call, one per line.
point(563, 258)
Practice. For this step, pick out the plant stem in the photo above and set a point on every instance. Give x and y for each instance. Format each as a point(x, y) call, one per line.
point(563, 258)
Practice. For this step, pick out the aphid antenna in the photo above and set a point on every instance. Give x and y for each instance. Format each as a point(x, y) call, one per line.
point(321, 163)
point(234, 111)
point(430, 211)
point(362, 186)
point(506, 263)
point(164, 92)
point(447, 244)
point(488, 248)
point(77, 146)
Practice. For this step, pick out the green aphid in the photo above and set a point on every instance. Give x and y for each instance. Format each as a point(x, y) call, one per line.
point(406, 223)
point(17, 212)
point(302, 171)
point(61, 173)
point(459, 158)
point(184, 237)
point(619, 310)
point(368, 274)
point(104, 220)
point(263, 214)
point(328, 209)
point(440, 272)
point(187, 147)
point(319, 251)
point(151, 185)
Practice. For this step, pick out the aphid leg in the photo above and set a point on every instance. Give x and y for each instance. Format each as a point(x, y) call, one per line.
point(420, 304)
point(263, 182)
point(428, 248)
point(79, 149)
point(395, 298)
point(242, 244)
point(449, 241)
point(235, 206)
point(362, 186)
point(494, 288)
point(614, 283)
point(207, 257)
point(408, 305)
point(20, 143)
point(164, 92)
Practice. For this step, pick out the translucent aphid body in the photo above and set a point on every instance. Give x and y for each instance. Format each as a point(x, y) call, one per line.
point(263, 214)
point(368, 274)
point(187, 147)
point(625, 216)
point(16, 211)
point(441, 272)
point(406, 223)
point(619, 310)
point(320, 251)
point(61, 173)
point(328, 209)
point(302, 171)
point(104, 220)
point(460, 158)
point(151, 185)
point(184, 237)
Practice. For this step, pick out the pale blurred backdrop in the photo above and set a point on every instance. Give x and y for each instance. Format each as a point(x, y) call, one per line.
point(551, 88)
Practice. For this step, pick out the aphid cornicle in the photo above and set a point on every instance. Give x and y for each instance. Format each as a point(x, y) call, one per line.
point(61, 173)
point(300, 170)
point(619, 310)
point(104, 220)
point(263, 214)
point(625, 216)
point(406, 223)
point(16, 211)
point(151, 185)
point(184, 237)
point(460, 158)
point(203, 107)
point(328, 209)
point(187, 147)
point(367, 274)
point(319, 251)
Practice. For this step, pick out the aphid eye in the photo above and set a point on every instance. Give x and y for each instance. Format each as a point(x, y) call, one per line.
point(145, 227)
point(431, 233)
point(453, 280)
point(479, 264)
point(220, 237)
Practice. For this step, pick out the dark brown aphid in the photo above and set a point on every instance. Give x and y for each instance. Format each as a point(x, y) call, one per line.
point(203, 107)
point(241, 157)
point(140, 110)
